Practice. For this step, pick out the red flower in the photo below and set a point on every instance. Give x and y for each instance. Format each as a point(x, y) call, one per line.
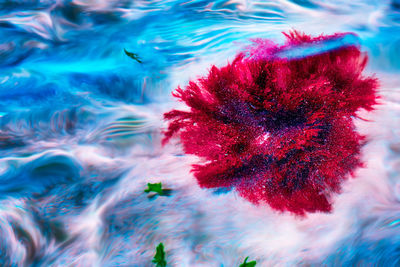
point(276, 123)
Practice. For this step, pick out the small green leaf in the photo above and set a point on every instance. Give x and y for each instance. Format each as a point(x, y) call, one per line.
point(159, 258)
point(157, 188)
point(248, 264)
point(133, 56)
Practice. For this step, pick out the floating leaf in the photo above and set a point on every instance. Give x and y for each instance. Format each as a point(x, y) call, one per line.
point(157, 188)
point(248, 264)
point(159, 258)
point(133, 56)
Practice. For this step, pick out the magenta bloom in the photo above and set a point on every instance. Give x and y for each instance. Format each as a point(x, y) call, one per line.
point(276, 123)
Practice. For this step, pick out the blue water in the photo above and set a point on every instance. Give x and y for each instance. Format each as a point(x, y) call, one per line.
point(80, 131)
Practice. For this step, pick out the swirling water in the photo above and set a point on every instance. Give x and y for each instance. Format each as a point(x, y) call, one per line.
point(80, 130)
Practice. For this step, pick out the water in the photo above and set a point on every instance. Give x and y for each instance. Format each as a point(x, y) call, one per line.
point(80, 127)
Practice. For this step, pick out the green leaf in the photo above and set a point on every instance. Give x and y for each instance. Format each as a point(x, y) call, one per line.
point(157, 188)
point(159, 258)
point(133, 56)
point(248, 264)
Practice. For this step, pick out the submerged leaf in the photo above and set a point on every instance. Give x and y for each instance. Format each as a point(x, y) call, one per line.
point(133, 56)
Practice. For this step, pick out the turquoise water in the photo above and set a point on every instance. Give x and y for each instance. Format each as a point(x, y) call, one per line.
point(80, 130)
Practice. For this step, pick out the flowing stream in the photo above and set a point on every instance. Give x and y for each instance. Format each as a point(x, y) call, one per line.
point(80, 136)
